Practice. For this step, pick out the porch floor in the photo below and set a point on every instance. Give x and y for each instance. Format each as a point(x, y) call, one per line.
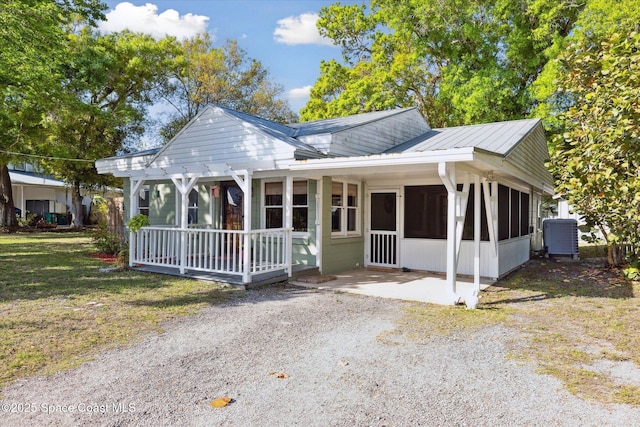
point(411, 286)
point(232, 279)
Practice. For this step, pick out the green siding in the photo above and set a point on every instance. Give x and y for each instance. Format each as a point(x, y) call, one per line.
point(342, 253)
point(162, 208)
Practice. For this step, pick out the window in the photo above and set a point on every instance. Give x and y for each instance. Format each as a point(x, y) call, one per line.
point(467, 231)
point(192, 211)
point(524, 214)
point(513, 213)
point(143, 201)
point(503, 212)
point(425, 212)
point(274, 205)
point(345, 210)
point(19, 166)
point(300, 206)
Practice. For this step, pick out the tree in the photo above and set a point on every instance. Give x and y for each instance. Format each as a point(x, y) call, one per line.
point(597, 156)
point(223, 76)
point(33, 44)
point(109, 80)
point(459, 61)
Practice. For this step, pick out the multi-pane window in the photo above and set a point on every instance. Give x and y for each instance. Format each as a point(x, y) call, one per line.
point(345, 210)
point(300, 206)
point(513, 213)
point(143, 201)
point(274, 205)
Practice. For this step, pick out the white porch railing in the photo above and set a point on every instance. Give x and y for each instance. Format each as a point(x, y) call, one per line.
point(208, 250)
point(383, 248)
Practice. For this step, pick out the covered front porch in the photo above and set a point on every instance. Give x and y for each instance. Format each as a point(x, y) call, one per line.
point(234, 252)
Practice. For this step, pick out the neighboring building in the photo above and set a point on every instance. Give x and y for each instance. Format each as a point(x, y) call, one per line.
point(245, 199)
point(36, 192)
point(39, 193)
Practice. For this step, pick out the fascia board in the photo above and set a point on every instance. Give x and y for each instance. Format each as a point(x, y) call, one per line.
point(465, 154)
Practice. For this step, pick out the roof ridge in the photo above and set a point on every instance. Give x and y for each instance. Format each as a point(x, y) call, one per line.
point(298, 127)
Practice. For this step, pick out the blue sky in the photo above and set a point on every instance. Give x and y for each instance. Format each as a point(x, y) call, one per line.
point(280, 34)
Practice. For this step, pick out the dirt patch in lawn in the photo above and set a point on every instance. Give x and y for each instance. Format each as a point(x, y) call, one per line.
point(110, 258)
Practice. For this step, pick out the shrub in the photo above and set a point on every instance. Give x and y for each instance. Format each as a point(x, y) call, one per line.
point(105, 241)
point(137, 222)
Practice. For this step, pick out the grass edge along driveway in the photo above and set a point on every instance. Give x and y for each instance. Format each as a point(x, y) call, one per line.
point(57, 309)
point(574, 320)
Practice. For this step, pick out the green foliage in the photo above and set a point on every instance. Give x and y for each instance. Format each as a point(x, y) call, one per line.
point(458, 61)
point(33, 40)
point(596, 155)
point(225, 76)
point(106, 241)
point(137, 222)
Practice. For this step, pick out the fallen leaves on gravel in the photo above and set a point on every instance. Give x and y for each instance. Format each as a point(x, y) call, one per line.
point(221, 403)
point(279, 375)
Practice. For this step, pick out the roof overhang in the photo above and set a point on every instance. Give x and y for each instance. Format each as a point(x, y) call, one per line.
point(18, 178)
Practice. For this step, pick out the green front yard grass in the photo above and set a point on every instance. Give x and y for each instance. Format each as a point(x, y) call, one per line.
point(57, 310)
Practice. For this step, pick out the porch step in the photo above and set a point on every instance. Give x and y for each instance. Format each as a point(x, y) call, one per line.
point(304, 271)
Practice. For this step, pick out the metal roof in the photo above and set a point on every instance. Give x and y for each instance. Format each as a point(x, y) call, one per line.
point(342, 123)
point(279, 131)
point(499, 138)
point(25, 178)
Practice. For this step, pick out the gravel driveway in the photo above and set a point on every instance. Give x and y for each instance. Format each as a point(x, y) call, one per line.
point(340, 373)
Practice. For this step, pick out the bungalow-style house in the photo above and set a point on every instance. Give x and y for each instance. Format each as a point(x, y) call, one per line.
point(245, 199)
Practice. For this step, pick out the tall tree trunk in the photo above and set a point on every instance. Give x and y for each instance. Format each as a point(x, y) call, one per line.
point(7, 210)
point(76, 205)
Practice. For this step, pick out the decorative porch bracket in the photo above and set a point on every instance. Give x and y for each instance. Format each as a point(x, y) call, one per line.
point(491, 207)
point(184, 185)
point(245, 186)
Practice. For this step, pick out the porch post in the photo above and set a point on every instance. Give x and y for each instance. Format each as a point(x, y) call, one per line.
point(448, 175)
point(134, 188)
point(473, 300)
point(288, 222)
point(245, 186)
point(246, 261)
point(184, 185)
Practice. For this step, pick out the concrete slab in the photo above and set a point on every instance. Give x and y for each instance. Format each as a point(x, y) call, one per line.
point(411, 286)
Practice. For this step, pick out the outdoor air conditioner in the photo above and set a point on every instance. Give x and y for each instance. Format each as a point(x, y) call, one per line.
point(560, 237)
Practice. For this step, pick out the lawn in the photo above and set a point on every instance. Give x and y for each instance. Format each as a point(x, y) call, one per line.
point(57, 309)
point(576, 321)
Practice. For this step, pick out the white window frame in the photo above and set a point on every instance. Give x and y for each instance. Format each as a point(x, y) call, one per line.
point(344, 216)
point(263, 202)
point(264, 206)
point(301, 234)
point(196, 207)
point(147, 192)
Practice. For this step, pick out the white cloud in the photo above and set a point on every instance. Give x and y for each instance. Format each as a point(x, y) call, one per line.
point(300, 30)
point(300, 92)
point(145, 19)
